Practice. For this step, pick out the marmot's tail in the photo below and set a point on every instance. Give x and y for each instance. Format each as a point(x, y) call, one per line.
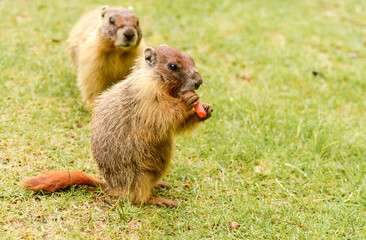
point(53, 181)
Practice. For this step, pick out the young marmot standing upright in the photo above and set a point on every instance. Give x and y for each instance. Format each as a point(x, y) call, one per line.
point(104, 45)
point(134, 125)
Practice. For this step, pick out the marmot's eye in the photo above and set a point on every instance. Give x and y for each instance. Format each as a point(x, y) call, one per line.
point(138, 22)
point(111, 21)
point(173, 67)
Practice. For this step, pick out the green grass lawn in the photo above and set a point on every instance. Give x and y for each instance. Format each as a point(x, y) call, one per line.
point(284, 154)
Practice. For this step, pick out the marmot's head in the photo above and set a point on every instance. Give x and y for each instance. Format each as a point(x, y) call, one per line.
point(121, 27)
point(176, 71)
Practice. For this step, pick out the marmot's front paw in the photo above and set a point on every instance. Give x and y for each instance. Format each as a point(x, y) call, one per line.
point(208, 108)
point(190, 99)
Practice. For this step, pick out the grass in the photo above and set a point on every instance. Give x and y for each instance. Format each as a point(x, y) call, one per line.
point(286, 143)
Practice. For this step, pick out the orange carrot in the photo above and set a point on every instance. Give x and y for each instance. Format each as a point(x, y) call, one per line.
point(200, 110)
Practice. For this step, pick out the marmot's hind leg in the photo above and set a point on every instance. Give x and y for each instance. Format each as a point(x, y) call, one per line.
point(140, 192)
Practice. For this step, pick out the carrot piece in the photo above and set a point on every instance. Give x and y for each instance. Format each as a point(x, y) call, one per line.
point(199, 109)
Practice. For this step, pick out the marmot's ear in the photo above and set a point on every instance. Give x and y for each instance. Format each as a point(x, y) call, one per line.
point(130, 8)
point(104, 10)
point(150, 56)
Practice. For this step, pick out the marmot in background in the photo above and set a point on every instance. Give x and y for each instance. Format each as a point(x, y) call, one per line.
point(104, 45)
point(133, 127)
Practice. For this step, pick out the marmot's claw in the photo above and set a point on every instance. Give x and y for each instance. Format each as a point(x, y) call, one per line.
point(208, 108)
point(190, 99)
point(161, 201)
point(161, 184)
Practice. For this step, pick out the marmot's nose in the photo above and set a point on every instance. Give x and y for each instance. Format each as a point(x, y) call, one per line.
point(198, 83)
point(129, 34)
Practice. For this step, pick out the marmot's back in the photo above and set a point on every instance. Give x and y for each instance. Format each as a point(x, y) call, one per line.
point(86, 26)
point(112, 133)
point(125, 136)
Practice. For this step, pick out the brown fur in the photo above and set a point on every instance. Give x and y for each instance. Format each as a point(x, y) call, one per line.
point(135, 122)
point(95, 46)
point(52, 181)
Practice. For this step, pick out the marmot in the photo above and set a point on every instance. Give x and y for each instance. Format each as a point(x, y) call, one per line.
point(104, 45)
point(133, 127)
